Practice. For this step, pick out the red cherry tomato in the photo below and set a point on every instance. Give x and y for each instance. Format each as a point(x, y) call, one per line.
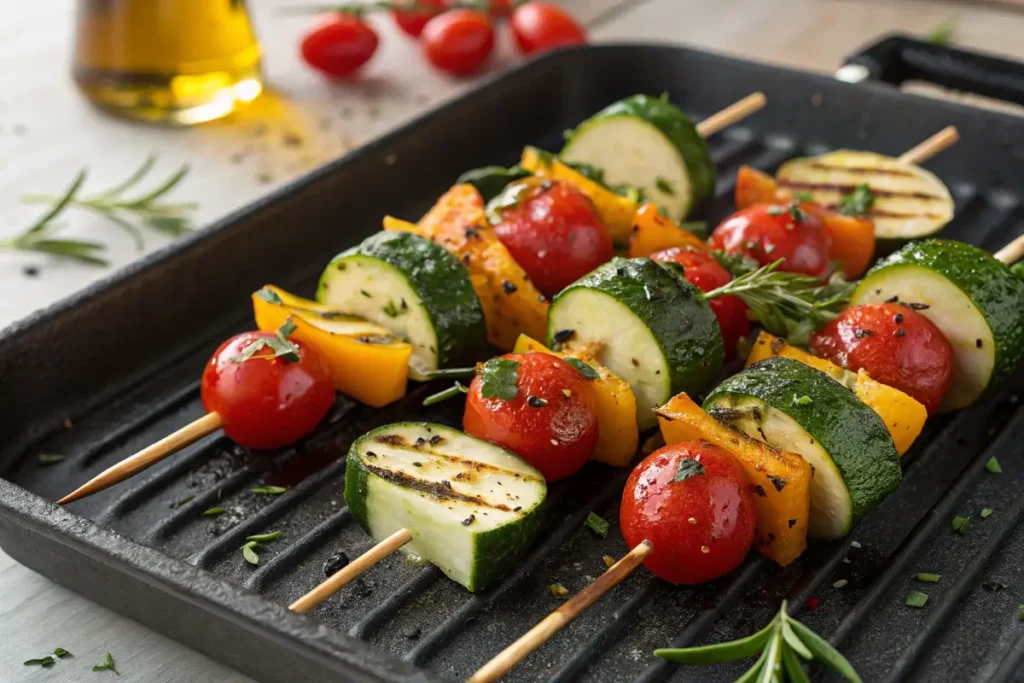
point(539, 26)
point(458, 41)
point(412, 21)
point(768, 232)
point(705, 273)
point(700, 527)
point(894, 344)
point(552, 421)
point(266, 402)
point(555, 234)
point(339, 45)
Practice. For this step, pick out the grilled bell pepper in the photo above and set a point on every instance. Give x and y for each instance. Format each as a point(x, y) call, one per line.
point(653, 232)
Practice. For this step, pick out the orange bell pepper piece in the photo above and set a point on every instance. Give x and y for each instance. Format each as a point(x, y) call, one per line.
point(653, 232)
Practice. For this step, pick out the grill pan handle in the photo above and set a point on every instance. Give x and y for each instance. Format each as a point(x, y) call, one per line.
point(897, 58)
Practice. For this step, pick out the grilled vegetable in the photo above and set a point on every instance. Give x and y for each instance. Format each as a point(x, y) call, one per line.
point(653, 232)
point(617, 434)
point(366, 361)
point(471, 506)
point(904, 417)
point(616, 211)
point(769, 232)
point(779, 480)
point(489, 181)
point(974, 299)
point(414, 288)
point(792, 406)
point(693, 503)
point(621, 311)
point(648, 143)
point(908, 201)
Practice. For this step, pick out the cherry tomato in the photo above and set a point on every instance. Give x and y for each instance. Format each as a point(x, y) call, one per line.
point(266, 402)
point(894, 344)
point(768, 232)
point(552, 421)
point(412, 21)
point(700, 527)
point(339, 45)
point(539, 26)
point(458, 41)
point(705, 273)
point(555, 234)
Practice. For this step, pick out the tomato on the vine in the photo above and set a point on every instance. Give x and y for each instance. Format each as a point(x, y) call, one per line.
point(263, 400)
point(707, 274)
point(550, 421)
point(458, 41)
point(555, 234)
point(412, 21)
point(769, 232)
point(693, 503)
point(538, 26)
point(340, 44)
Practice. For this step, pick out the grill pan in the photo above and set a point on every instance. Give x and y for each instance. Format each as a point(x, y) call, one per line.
point(116, 367)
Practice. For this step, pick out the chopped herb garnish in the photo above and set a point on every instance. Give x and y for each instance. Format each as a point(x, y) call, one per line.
point(688, 467)
point(584, 368)
point(279, 344)
point(840, 583)
point(213, 512)
point(598, 524)
point(50, 458)
point(391, 310)
point(499, 379)
point(803, 196)
point(858, 202)
point(664, 186)
point(960, 524)
point(986, 513)
point(269, 490)
point(992, 466)
point(183, 501)
point(929, 578)
point(941, 34)
point(268, 295)
point(264, 538)
point(42, 661)
point(107, 664)
point(61, 653)
point(249, 552)
point(797, 213)
point(916, 599)
point(558, 590)
point(450, 392)
point(802, 401)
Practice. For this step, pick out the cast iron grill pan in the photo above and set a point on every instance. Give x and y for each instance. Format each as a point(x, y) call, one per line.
point(122, 362)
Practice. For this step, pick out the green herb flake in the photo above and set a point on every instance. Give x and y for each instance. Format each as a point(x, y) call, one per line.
point(916, 599)
point(598, 524)
point(664, 186)
point(61, 653)
point(263, 538)
point(802, 401)
point(182, 501)
point(803, 196)
point(1020, 613)
point(840, 583)
point(269, 490)
point(499, 379)
point(941, 34)
point(688, 467)
point(268, 295)
point(960, 524)
point(584, 368)
point(107, 664)
point(925, 577)
point(992, 466)
point(558, 591)
point(858, 202)
point(609, 561)
point(50, 458)
point(213, 512)
point(797, 213)
point(986, 513)
point(249, 553)
point(42, 661)
point(391, 310)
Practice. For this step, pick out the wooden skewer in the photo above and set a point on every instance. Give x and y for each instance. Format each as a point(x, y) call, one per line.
point(351, 571)
point(731, 114)
point(1012, 252)
point(551, 624)
point(932, 146)
point(147, 457)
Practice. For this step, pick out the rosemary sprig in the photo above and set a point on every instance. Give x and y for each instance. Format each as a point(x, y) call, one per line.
point(168, 218)
point(788, 304)
point(783, 645)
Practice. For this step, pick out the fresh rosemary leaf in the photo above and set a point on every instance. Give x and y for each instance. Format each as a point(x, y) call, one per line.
point(793, 666)
point(721, 652)
point(960, 524)
point(42, 661)
point(794, 642)
point(688, 468)
point(916, 599)
point(213, 512)
point(823, 651)
point(925, 577)
point(50, 458)
point(858, 202)
point(584, 368)
point(268, 490)
point(454, 373)
point(986, 513)
point(249, 553)
point(61, 653)
point(598, 524)
point(992, 466)
point(263, 538)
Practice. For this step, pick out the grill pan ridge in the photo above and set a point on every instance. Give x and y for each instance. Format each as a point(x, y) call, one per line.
point(121, 362)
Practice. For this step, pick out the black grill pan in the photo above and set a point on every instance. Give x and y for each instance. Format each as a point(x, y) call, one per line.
point(99, 375)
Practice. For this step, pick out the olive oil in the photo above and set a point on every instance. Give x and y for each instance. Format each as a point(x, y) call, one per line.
point(178, 62)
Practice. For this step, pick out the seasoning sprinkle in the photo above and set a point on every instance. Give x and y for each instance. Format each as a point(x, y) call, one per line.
point(536, 402)
point(840, 583)
point(263, 538)
point(558, 590)
point(986, 513)
point(609, 561)
point(50, 458)
point(468, 520)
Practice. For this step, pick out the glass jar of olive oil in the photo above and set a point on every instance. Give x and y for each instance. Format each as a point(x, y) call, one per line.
point(178, 62)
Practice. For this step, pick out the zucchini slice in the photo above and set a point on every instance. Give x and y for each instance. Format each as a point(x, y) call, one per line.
point(975, 300)
point(909, 202)
point(793, 407)
point(414, 288)
point(645, 323)
point(648, 143)
point(472, 507)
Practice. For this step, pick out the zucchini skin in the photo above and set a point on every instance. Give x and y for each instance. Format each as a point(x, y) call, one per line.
point(677, 127)
point(442, 284)
point(489, 181)
point(993, 288)
point(673, 310)
point(854, 435)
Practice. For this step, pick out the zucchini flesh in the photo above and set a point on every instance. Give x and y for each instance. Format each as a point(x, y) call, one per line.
point(472, 507)
point(909, 201)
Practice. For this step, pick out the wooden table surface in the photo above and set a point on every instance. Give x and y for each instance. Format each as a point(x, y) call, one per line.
point(47, 132)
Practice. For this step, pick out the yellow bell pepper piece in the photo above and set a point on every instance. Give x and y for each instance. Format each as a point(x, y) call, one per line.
point(904, 416)
point(616, 211)
point(653, 232)
point(398, 225)
point(617, 433)
point(365, 360)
